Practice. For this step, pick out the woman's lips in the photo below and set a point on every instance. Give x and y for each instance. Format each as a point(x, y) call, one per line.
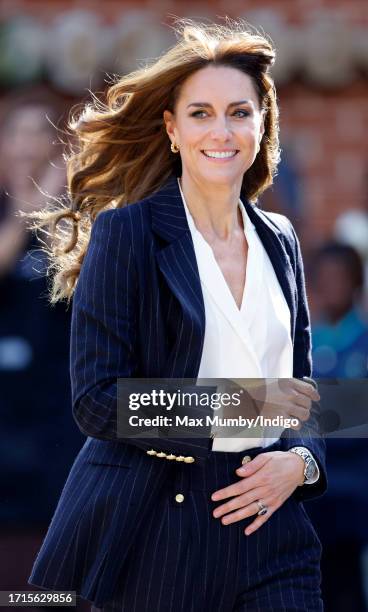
point(222, 158)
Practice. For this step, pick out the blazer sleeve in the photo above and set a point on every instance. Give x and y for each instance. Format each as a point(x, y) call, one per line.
point(104, 335)
point(309, 435)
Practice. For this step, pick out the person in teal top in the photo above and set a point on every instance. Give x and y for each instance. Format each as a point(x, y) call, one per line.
point(340, 350)
point(340, 335)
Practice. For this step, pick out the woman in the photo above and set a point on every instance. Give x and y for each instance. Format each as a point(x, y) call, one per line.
point(171, 286)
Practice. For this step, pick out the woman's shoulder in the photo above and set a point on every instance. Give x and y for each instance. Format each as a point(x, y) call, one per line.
point(282, 230)
point(131, 220)
point(135, 212)
point(280, 224)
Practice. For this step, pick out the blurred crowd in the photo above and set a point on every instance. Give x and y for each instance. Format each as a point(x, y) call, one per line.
point(39, 437)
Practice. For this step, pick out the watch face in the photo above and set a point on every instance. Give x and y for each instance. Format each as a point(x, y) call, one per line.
point(310, 470)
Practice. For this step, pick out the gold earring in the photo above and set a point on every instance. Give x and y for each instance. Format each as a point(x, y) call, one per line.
point(174, 147)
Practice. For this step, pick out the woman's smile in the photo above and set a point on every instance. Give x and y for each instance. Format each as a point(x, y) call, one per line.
point(224, 155)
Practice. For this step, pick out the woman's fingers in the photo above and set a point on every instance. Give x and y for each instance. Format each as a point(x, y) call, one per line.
point(306, 389)
point(241, 514)
point(250, 509)
point(298, 406)
point(299, 412)
point(299, 396)
point(244, 485)
point(241, 501)
point(302, 400)
point(259, 521)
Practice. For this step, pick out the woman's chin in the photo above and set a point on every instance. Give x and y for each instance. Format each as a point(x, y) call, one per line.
point(221, 178)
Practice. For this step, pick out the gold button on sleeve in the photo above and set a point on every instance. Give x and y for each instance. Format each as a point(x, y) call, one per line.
point(171, 457)
point(189, 460)
point(151, 452)
point(161, 454)
point(180, 458)
point(179, 498)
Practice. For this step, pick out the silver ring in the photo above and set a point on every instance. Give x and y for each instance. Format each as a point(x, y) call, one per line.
point(263, 509)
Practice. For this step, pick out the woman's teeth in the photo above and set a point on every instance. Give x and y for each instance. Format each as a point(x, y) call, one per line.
point(220, 154)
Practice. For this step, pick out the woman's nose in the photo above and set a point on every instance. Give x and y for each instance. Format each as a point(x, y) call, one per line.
point(220, 130)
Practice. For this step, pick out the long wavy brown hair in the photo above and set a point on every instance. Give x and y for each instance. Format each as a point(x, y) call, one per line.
point(121, 151)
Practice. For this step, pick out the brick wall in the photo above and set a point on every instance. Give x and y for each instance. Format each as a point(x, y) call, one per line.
point(325, 130)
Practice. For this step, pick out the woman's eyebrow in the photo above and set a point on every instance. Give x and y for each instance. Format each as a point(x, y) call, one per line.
point(208, 105)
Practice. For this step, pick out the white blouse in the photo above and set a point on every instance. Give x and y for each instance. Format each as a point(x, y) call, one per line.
point(251, 342)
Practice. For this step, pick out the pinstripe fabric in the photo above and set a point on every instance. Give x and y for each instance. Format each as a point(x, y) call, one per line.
point(211, 568)
point(138, 311)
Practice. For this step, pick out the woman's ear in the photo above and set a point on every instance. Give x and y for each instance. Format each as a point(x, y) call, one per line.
point(169, 124)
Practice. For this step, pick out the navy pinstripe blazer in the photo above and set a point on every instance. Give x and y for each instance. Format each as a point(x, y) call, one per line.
point(138, 311)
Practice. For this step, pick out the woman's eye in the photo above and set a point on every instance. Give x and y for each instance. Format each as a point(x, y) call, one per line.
point(241, 113)
point(199, 113)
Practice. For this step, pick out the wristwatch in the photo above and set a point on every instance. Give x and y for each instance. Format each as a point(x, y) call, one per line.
point(311, 470)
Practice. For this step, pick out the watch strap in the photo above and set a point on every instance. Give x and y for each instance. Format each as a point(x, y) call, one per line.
point(311, 470)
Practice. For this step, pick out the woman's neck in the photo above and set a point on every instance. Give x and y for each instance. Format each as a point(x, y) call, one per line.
point(215, 209)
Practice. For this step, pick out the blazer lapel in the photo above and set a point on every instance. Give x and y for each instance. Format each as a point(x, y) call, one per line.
point(177, 262)
point(276, 251)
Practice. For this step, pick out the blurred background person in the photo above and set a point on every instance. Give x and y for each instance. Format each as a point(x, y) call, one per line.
point(340, 350)
point(340, 329)
point(39, 440)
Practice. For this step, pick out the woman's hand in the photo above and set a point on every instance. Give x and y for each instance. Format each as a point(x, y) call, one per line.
point(270, 477)
point(286, 397)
